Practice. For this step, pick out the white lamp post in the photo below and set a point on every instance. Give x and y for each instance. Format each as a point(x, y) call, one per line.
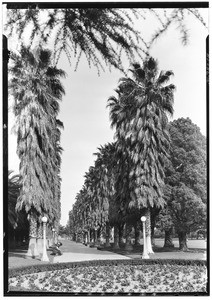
point(95, 229)
point(86, 238)
point(145, 254)
point(44, 256)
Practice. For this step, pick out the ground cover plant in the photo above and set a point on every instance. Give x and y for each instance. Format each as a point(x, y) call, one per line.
point(167, 277)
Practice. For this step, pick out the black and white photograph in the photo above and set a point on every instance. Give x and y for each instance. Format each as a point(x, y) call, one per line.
point(105, 148)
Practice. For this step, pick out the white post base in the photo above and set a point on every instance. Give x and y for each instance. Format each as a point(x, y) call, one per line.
point(40, 246)
point(149, 245)
point(145, 256)
point(44, 257)
point(32, 249)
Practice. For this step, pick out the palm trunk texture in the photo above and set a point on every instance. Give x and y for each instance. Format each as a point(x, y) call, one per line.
point(121, 233)
point(128, 245)
point(107, 244)
point(148, 231)
point(32, 248)
point(168, 243)
point(137, 234)
point(116, 237)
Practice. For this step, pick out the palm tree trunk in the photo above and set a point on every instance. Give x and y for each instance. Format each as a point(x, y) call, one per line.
point(182, 241)
point(153, 217)
point(89, 238)
point(107, 244)
point(40, 238)
point(116, 237)
point(101, 236)
point(121, 233)
point(137, 234)
point(152, 238)
point(128, 245)
point(92, 236)
point(32, 248)
point(51, 239)
point(168, 243)
point(98, 236)
point(148, 231)
point(95, 237)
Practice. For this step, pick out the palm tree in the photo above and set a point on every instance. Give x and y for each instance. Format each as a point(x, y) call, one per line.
point(140, 117)
point(36, 88)
point(110, 215)
point(94, 204)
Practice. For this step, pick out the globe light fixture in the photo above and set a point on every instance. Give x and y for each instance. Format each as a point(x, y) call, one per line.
point(44, 256)
point(143, 219)
point(44, 219)
point(145, 254)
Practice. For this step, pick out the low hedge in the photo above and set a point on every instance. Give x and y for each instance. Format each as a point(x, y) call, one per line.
point(59, 266)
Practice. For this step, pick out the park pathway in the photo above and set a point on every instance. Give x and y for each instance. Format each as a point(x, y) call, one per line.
point(73, 252)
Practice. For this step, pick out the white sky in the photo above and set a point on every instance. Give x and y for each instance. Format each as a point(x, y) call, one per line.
point(83, 109)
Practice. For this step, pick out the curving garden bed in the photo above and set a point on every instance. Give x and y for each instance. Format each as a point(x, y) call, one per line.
point(118, 276)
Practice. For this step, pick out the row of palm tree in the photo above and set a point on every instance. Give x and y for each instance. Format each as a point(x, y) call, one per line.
point(130, 178)
point(36, 88)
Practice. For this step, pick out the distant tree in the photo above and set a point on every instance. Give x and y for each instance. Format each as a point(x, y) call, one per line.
point(63, 230)
point(186, 180)
point(109, 211)
point(166, 224)
point(70, 224)
point(96, 208)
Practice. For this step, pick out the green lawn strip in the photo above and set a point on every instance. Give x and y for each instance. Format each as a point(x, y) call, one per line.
point(59, 266)
point(139, 249)
point(17, 259)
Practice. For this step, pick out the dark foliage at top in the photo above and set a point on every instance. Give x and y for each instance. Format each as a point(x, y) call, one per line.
point(98, 33)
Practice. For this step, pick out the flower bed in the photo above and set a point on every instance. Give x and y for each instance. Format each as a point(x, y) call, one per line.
point(136, 276)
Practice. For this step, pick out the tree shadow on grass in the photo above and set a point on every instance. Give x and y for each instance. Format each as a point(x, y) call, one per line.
point(22, 255)
point(139, 249)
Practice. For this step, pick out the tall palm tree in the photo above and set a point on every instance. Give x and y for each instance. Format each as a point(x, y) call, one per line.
point(140, 117)
point(36, 88)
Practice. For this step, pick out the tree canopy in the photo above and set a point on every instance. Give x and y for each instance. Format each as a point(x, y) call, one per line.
point(99, 33)
point(185, 190)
